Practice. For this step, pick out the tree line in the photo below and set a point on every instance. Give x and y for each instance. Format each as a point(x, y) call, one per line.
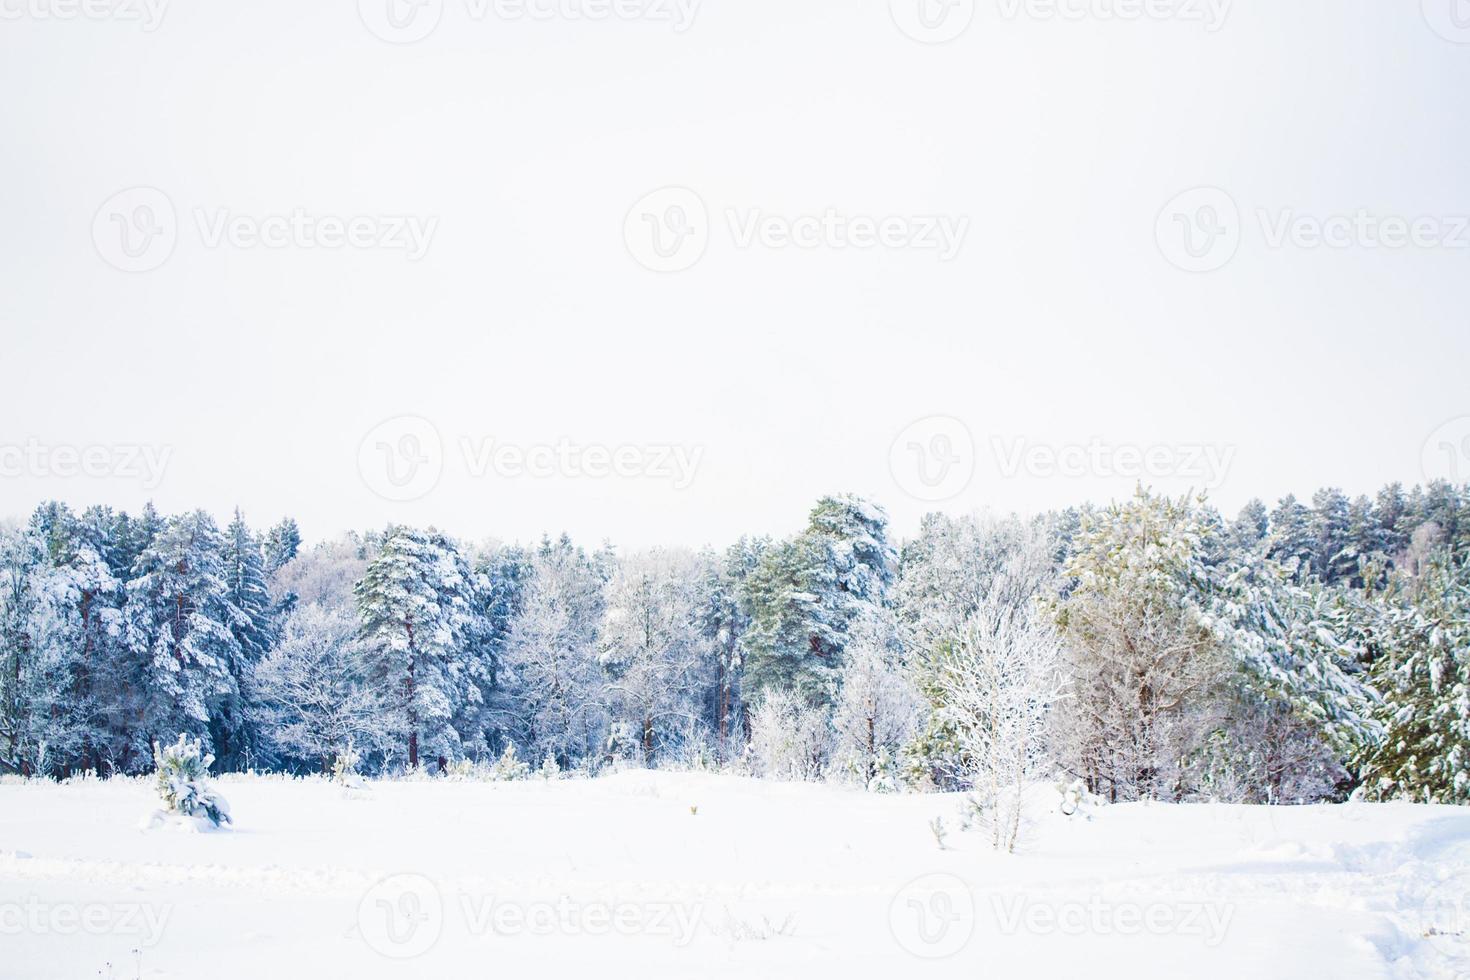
point(1150, 648)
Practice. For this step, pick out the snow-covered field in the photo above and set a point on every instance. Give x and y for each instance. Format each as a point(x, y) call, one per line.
point(655, 874)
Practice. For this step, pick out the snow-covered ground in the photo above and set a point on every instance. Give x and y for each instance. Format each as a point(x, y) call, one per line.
point(687, 875)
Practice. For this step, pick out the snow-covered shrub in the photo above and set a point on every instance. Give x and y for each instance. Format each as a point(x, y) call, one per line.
point(998, 681)
point(622, 743)
point(182, 781)
point(1076, 800)
point(467, 771)
point(877, 710)
point(788, 738)
point(344, 768)
point(885, 778)
point(508, 767)
point(549, 768)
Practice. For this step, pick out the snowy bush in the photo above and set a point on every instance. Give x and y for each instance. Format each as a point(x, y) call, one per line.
point(508, 767)
point(344, 768)
point(789, 739)
point(877, 710)
point(1076, 800)
point(999, 679)
point(182, 781)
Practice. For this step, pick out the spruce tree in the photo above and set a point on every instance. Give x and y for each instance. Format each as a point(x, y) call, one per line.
point(1424, 752)
point(179, 619)
point(281, 544)
point(417, 607)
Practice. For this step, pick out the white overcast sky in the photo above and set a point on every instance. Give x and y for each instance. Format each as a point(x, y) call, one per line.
point(1060, 323)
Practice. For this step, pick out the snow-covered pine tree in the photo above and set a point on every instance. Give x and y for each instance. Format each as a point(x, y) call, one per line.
point(181, 777)
point(806, 593)
point(178, 624)
point(1250, 527)
point(280, 545)
point(1390, 514)
point(1424, 675)
point(1145, 663)
point(253, 625)
point(76, 634)
point(417, 606)
point(724, 624)
point(23, 682)
point(1291, 535)
point(1333, 558)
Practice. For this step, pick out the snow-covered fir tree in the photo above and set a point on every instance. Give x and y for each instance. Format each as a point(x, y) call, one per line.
point(418, 605)
point(1424, 676)
point(806, 593)
point(179, 618)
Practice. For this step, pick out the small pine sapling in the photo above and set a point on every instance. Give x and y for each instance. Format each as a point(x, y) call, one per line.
point(508, 767)
point(182, 781)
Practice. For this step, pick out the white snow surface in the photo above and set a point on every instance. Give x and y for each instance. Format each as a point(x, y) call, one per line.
point(659, 874)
